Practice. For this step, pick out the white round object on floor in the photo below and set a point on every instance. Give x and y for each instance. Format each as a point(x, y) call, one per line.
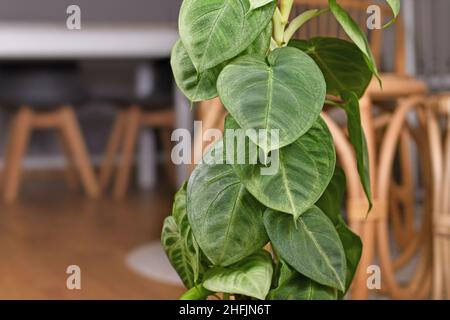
point(150, 261)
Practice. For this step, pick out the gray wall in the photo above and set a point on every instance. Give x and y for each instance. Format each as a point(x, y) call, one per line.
point(432, 43)
point(91, 10)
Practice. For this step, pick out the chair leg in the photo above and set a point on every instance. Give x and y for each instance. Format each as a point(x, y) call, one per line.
point(19, 134)
point(128, 148)
point(70, 171)
point(72, 133)
point(112, 148)
point(167, 147)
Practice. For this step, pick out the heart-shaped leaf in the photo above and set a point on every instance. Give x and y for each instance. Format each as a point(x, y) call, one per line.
point(331, 203)
point(215, 31)
point(299, 172)
point(180, 246)
point(352, 29)
point(251, 277)
point(284, 92)
point(225, 218)
point(310, 244)
point(358, 140)
point(295, 286)
point(341, 62)
point(195, 86)
point(203, 86)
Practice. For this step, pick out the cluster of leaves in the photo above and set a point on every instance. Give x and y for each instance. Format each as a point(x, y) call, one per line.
point(224, 217)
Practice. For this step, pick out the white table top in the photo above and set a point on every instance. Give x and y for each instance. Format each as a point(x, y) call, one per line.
point(55, 41)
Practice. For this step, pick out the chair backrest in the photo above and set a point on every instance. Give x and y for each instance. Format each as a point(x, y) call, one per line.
point(326, 25)
point(125, 81)
point(40, 83)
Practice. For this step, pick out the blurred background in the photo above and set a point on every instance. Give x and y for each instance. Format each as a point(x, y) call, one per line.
point(85, 123)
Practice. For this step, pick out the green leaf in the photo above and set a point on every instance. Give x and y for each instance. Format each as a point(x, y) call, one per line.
point(395, 6)
point(332, 199)
point(225, 218)
point(331, 203)
point(251, 277)
point(353, 249)
point(176, 251)
point(196, 293)
point(203, 86)
point(284, 92)
point(255, 4)
point(358, 140)
point(261, 44)
point(180, 246)
point(352, 29)
point(196, 87)
point(298, 177)
point(179, 209)
point(342, 64)
point(295, 286)
point(214, 31)
point(310, 244)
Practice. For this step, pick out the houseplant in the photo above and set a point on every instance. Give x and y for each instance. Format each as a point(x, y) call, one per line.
point(235, 230)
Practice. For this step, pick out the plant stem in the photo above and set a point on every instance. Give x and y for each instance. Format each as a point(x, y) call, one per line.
point(299, 21)
point(280, 21)
point(278, 28)
point(285, 10)
point(273, 44)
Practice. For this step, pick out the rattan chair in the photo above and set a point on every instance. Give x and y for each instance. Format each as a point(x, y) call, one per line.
point(438, 120)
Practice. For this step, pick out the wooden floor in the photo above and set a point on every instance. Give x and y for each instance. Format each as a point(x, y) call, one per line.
point(52, 227)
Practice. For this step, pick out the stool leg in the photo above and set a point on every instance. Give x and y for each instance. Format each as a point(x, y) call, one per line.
point(19, 134)
point(167, 146)
point(71, 173)
point(72, 133)
point(128, 148)
point(112, 148)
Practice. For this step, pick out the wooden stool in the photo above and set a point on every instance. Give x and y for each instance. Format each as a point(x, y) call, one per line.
point(123, 141)
point(45, 93)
